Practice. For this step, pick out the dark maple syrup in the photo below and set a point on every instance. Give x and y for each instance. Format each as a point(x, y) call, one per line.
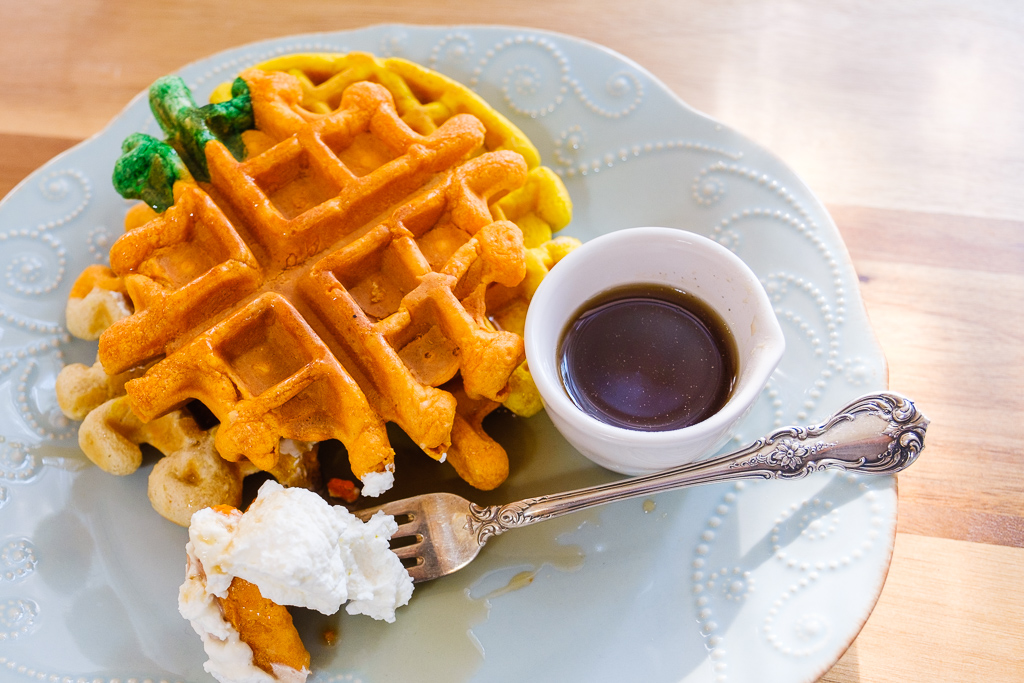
point(648, 357)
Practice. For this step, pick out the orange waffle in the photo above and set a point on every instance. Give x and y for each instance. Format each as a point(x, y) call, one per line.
point(341, 272)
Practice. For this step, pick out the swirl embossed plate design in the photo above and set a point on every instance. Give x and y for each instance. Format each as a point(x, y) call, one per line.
point(768, 581)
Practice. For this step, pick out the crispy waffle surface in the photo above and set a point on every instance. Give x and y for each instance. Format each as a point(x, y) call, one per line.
point(369, 260)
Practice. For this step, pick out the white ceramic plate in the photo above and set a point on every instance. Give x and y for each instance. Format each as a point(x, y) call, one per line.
point(767, 582)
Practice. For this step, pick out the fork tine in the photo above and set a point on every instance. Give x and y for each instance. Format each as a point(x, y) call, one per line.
point(419, 573)
point(408, 552)
point(441, 539)
point(410, 508)
point(408, 542)
point(413, 527)
point(395, 508)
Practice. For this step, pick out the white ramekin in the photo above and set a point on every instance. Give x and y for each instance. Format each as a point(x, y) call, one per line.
point(668, 256)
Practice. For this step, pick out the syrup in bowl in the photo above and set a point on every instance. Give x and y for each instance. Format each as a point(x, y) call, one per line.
point(648, 357)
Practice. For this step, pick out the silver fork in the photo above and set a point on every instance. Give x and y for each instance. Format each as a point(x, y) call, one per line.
point(440, 533)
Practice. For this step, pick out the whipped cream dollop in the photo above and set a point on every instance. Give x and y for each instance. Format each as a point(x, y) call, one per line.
point(299, 551)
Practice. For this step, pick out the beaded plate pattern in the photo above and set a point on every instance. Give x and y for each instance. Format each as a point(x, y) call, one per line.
point(768, 581)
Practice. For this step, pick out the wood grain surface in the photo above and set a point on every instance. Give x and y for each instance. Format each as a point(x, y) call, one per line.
point(904, 117)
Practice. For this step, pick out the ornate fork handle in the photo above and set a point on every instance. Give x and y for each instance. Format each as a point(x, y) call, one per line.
point(876, 434)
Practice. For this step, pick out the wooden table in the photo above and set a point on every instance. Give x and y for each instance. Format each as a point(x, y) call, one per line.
point(905, 118)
